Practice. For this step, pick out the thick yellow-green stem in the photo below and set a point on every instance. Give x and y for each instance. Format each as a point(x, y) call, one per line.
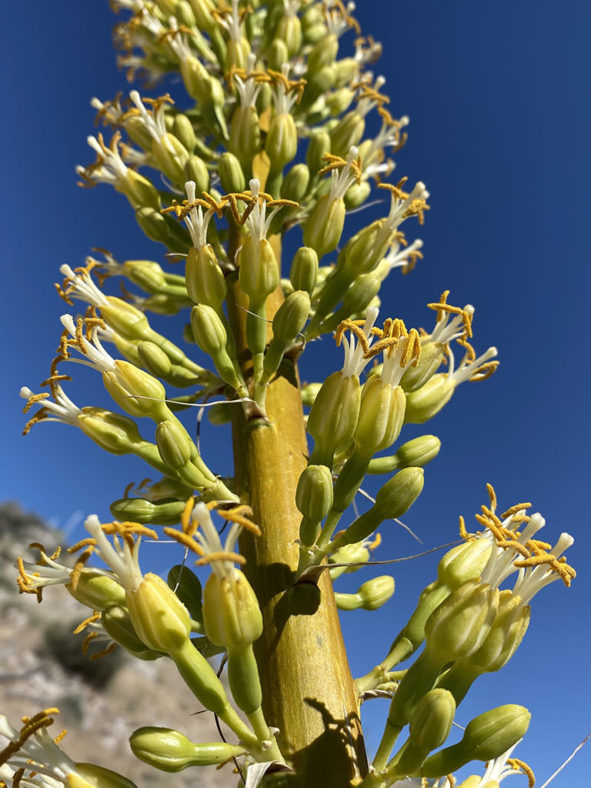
point(308, 690)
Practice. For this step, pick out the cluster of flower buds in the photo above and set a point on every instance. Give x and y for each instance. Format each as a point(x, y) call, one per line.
point(273, 135)
point(469, 626)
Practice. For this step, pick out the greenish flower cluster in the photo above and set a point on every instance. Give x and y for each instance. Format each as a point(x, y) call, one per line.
point(271, 136)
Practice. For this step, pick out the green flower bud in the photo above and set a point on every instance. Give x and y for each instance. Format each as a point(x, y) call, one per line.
point(205, 281)
point(460, 624)
point(126, 319)
point(464, 562)
point(150, 276)
point(296, 182)
point(238, 52)
point(376, 592)
point(245, 135)
point(281, 144)
point(197, 80)
point(184, 13)
point(424, 403)
point(117, 624)
point(159, 618)
point(128, 385)
point(314, 496)
point(486, 737)
point(112, 431)
point(231, 613)
point(323, 54)
point(174, 444)
point(347, 71)
point(392, 501)
point(381, 416)
point(141, 510)
point(432, 720)
point(203, 16)
point(356, 299)
point(171, 156)
point(89, 775)
point(304, 269)
point(154, 359)
point(154, 225)
point(333, 418)
point(357, 194)
point(318, 147)
point(362, 253)
point(231, 173)
point(211, 336)
point(309, 392)
point(187, 587)
point(259, 270)
point(505, 635)
point(182, 128)
point(171, 751)
point(277, 54)
point(291, 317)
point(341, 99)
point(196, 170)
point(96, 590)
point(140, 191)
point(289, 30)
point(418, 452)
point(348, 131)
point(432, 355)
point(356, 553)
point(324, 226)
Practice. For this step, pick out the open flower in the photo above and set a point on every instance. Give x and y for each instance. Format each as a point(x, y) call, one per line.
point(231, 612)
point(515, 550)
point(33, 759)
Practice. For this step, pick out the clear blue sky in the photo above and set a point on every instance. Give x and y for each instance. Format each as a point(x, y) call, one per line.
point(497, 94)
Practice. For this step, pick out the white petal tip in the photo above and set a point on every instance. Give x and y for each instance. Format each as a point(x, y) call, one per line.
point(25, 392)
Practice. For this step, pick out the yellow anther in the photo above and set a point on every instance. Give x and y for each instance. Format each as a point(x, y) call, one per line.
point(354, 327)
point(558, 565)
point(377, 541)
point(412, 350)
point(464, 533)
point(79, 566)
point(104, 652)
point(173, 33)
point(366, 91)
point(33, 400)
point(519, 765)
point(396, 190)
point(221, 556)
point(128, 489)
point(87, 621)
point(87, 642)
point(417, 208)
point(61, 736)
point(485, 371)
point(128, 529)
point(88, 542)
point(517, 546)
point(493, 497)
point(337, 163)
point(186, 515)
point(518, 507)
point(235, 516)
point(63, 294)
point(185, 539)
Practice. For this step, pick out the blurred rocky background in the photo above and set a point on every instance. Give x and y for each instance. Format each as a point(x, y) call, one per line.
point(101, 701)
